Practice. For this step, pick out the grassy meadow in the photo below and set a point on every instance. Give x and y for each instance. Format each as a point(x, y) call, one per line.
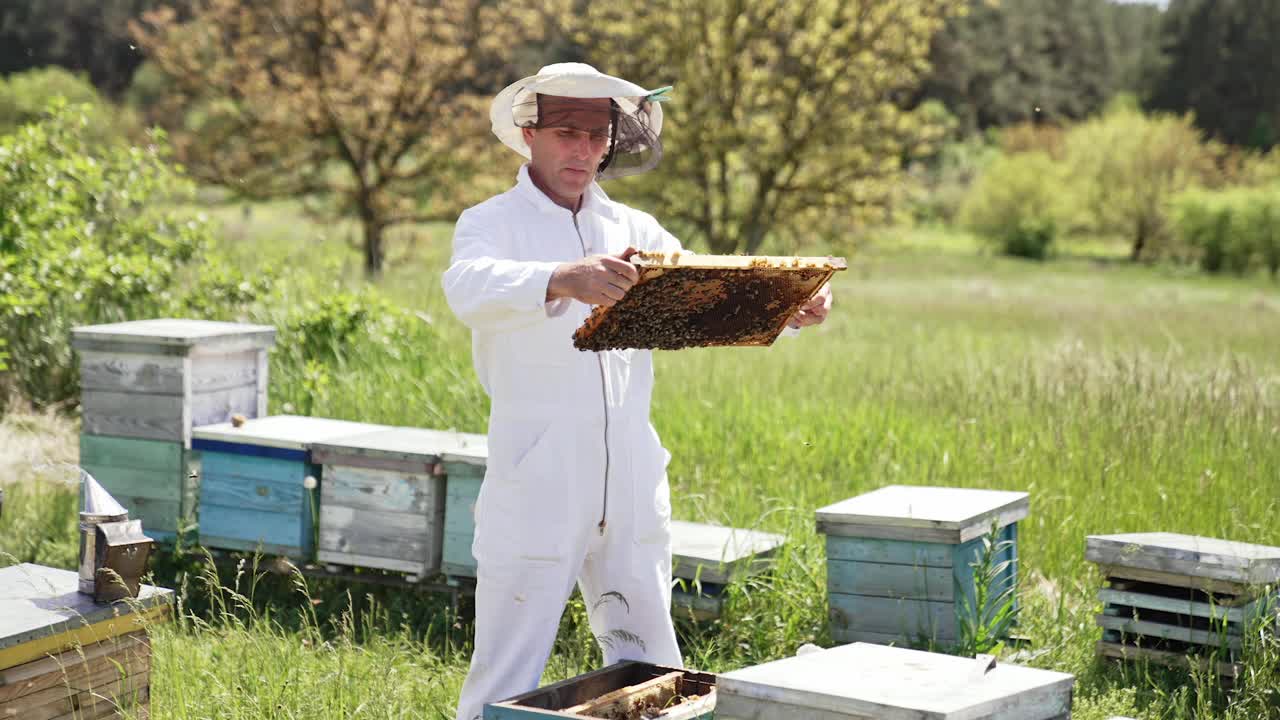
point(1123, 398)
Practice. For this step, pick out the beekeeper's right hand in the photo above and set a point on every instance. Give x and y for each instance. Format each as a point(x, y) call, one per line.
point(594, 280)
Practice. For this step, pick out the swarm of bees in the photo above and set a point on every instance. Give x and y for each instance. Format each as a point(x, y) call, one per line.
point(705, 300)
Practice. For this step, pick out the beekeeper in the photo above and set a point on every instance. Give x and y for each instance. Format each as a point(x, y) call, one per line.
point(576, 486)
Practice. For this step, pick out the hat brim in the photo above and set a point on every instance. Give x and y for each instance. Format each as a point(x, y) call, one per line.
point(575, 85)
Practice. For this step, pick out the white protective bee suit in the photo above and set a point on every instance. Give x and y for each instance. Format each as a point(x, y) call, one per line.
point(576, 486)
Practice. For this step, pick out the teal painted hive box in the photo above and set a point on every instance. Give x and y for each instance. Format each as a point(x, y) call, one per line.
point(144, 385)
point(464, 466)
point(904, 563)
point(383, 499)
point(253, 479)
point(624, 690)
point(862, 681)
point(706, 558)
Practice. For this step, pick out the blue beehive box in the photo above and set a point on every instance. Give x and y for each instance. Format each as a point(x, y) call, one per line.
point(464, 468)
point(626, 689)
point(902, 562)
point(252, 482)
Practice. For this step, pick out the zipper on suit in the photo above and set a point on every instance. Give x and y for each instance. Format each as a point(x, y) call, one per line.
point(604, 398)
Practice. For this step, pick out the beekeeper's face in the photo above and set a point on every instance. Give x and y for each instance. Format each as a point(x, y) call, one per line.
point(568, 144)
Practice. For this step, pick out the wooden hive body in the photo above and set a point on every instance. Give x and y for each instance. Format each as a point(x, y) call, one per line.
point(618, 691)
point(707, 557)
point(145, 384)
point(252, 492)
point(62, 655)
point(1177, 599)
point(464, 468)
point(383, 499)
point(687, 300)
point(902, 562)
point(870, 682)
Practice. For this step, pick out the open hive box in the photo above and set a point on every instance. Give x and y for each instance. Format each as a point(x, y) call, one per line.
point(1180, 600)
point(686, 300)
point(628, 690)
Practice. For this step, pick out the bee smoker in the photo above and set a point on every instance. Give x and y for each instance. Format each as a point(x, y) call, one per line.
point(96, 507)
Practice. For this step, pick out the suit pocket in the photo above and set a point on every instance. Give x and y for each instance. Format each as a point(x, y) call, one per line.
point(521, 511)
point(651, 493)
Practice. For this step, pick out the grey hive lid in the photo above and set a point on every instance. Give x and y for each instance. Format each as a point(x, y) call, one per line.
point(468, 449)
point(395, 443)
point(888, 683)
point(1187, 555)
point(171, 333)
point(38, 601)
point(718, 551)
point(290, 432)
point(930, 514)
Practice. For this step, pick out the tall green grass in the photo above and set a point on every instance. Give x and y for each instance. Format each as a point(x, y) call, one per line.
point(1122, 398)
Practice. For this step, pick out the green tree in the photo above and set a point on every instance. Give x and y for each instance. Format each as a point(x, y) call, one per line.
point(783, 113)
point(1024, 60)
point(1221, 63)
point(364, 103)
point(1129, 166)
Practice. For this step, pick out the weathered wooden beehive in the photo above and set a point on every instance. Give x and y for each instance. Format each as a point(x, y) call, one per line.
point(623, 691)
point(144, 385)
point(705, 558)
point(1170, 597)
point(901, 561)
point(464, 467)
point(383, 498)
point(871, 682)
point(253, 482)
point(64, 656)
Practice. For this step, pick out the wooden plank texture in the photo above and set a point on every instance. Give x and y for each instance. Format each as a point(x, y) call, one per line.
point(898, 684)
point(1121, 651)
point(896, 552)
point(1177, 605)
point(382, 490)
point(890, 581)
point(131, 373)
point(381, 534)
point(134, 453)
point(212, 372)
point(954, 515)
point(173, 332)
point(1209, 585)
point(717, 554)
point(133, 415)
point(1168, 632)
point(1187, 555)
point(216, 406)
point(910, 618)
point(291, 432)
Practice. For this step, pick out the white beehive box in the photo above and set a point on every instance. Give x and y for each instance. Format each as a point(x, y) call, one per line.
point(863, 681)
point(704, 558)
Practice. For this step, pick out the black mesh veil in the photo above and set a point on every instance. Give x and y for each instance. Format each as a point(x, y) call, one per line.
point(634, 146)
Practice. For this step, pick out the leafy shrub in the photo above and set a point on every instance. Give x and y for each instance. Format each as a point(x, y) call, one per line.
point(1232, 230)
point(1129, 166)
point(1019, 204)
point(25, 96)
point(86, 237)
point(940, 184)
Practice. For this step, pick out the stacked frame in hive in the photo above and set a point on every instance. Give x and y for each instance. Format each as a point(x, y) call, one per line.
point(64, 656)
point(144, 385)
point(624, 690)
point(383, 498)
point(1175, 600)
point(862, 681)
point(253, 482)
point(706, 558)
point(903, 563)
point(688, 300)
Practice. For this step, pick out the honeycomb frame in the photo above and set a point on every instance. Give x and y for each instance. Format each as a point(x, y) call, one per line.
point(687, 300)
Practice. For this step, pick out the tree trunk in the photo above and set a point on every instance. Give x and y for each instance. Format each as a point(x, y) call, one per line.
point(373, 230)
point(1139, 241)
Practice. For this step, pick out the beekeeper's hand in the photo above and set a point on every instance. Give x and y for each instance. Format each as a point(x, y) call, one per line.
point(594, 280)
point(814, 311)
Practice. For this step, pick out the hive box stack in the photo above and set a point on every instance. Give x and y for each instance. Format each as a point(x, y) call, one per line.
point(464, 466)
point(383, 499)
point(62, 656)
point(900, 560)
point(253, 480)
point(705, 558)
point(145, 384)
point(1169, 595)
point(628, 689)
point(871, 682)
